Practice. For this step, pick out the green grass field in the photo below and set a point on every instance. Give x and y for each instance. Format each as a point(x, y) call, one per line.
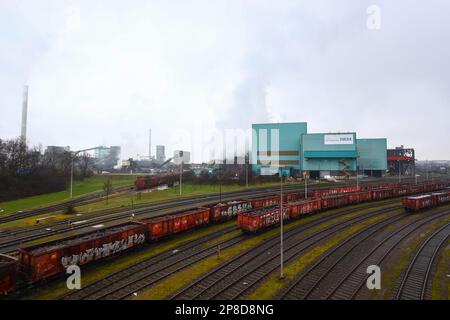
point(88, 185)
point(189, 190)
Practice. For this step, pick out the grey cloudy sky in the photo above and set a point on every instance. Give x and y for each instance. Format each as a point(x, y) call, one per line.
point(103, 72)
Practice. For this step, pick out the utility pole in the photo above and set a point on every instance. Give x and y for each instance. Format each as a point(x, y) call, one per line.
point(181, 175)
point(306, 185)
point(399, 172)
point(281, 224)
point(357, 173)
point(246, 170)
point(180, 155)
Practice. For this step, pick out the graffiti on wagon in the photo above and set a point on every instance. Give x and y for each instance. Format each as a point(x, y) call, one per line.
point(234, 209)
point(105, 250)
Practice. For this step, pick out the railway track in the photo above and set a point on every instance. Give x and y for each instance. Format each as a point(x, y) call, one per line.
point(159, 265)
point(341, 272)
point(12, 242)
point(9, 245)
point(80, 201)
point(235, 277)
point(92, 198)
point(124, 283)
point(413, 285)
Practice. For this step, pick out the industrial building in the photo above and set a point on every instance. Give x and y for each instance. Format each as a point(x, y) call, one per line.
point(275, 145)
point(372, 156)
point(329, 154)
point(291, 147)
point(401, 160)
point(181, 156)
point(160, 154)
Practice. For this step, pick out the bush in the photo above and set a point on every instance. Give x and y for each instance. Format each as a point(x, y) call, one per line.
point(70, 209)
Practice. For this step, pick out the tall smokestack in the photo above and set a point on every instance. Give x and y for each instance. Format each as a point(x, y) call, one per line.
point(150, 144)
point(23, 134)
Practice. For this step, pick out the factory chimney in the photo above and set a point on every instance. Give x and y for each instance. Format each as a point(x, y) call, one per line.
point(23, 134)
point(150, 144)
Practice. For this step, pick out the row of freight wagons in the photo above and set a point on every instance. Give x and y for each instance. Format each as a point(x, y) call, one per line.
point(423, 201)
point(260, 219)
point(51, 258)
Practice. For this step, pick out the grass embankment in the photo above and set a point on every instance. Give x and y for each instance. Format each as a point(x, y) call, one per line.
point(169, 286)
point(144, 197)
point(153, 196)
point(94, 273)
point(272, 285)
point(392, 272)
point(89, 185)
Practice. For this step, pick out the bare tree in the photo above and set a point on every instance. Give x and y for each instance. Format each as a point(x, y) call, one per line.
point(107, 188)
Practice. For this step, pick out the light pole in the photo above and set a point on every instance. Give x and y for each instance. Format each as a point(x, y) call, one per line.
point(181, 175)
point(220, 185)
point(357, 173)
point(306, 184)
point(71, 167)
point(246, 170)
point(281, 224)
point(399, 172)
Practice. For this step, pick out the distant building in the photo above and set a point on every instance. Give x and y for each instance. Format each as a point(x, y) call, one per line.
point(106, 158)
point(160, 154)
point(56, 150)
point(180, 155)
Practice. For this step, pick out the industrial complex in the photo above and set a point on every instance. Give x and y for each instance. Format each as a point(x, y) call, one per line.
point(289, 146)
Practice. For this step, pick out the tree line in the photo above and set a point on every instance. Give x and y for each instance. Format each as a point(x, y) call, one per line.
point(28, 171)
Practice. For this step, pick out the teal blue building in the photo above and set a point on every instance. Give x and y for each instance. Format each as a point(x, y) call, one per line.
point(330, 153)
point(291, 147)
point(372, 156)
point(275, 145)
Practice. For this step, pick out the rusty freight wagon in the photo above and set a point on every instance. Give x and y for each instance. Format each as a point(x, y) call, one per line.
point(292, 196)
point(299, 208)
point(416, 203)
point(8, 274)
point(358, 197)
point(380, 194)
point(400, 191)
point(334, 201)
point(48, 259)
point(332, 191)
point(176, 222)
point(262, 202)
point(440, 198)
point(225, 211)
point(261, 218)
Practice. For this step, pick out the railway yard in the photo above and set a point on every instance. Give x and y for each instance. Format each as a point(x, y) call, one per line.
point(193, 248)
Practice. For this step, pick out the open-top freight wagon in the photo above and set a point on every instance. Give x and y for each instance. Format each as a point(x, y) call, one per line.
point(176, 222)
point(8, 274)
point(152, 181)
point(299, 208)
point(333, 191)
point(358, 197)
point(334, 201)
point(261, 218)
point(224, 211)
point(45, 260)
point(262, 202)
point(424, 201)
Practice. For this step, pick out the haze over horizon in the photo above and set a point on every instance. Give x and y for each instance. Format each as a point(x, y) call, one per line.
point(104, 74)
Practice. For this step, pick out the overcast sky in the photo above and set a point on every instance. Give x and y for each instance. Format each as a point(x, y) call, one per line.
point(104, 72)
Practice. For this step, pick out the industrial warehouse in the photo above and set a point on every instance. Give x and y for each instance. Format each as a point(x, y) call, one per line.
point(291, 147)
